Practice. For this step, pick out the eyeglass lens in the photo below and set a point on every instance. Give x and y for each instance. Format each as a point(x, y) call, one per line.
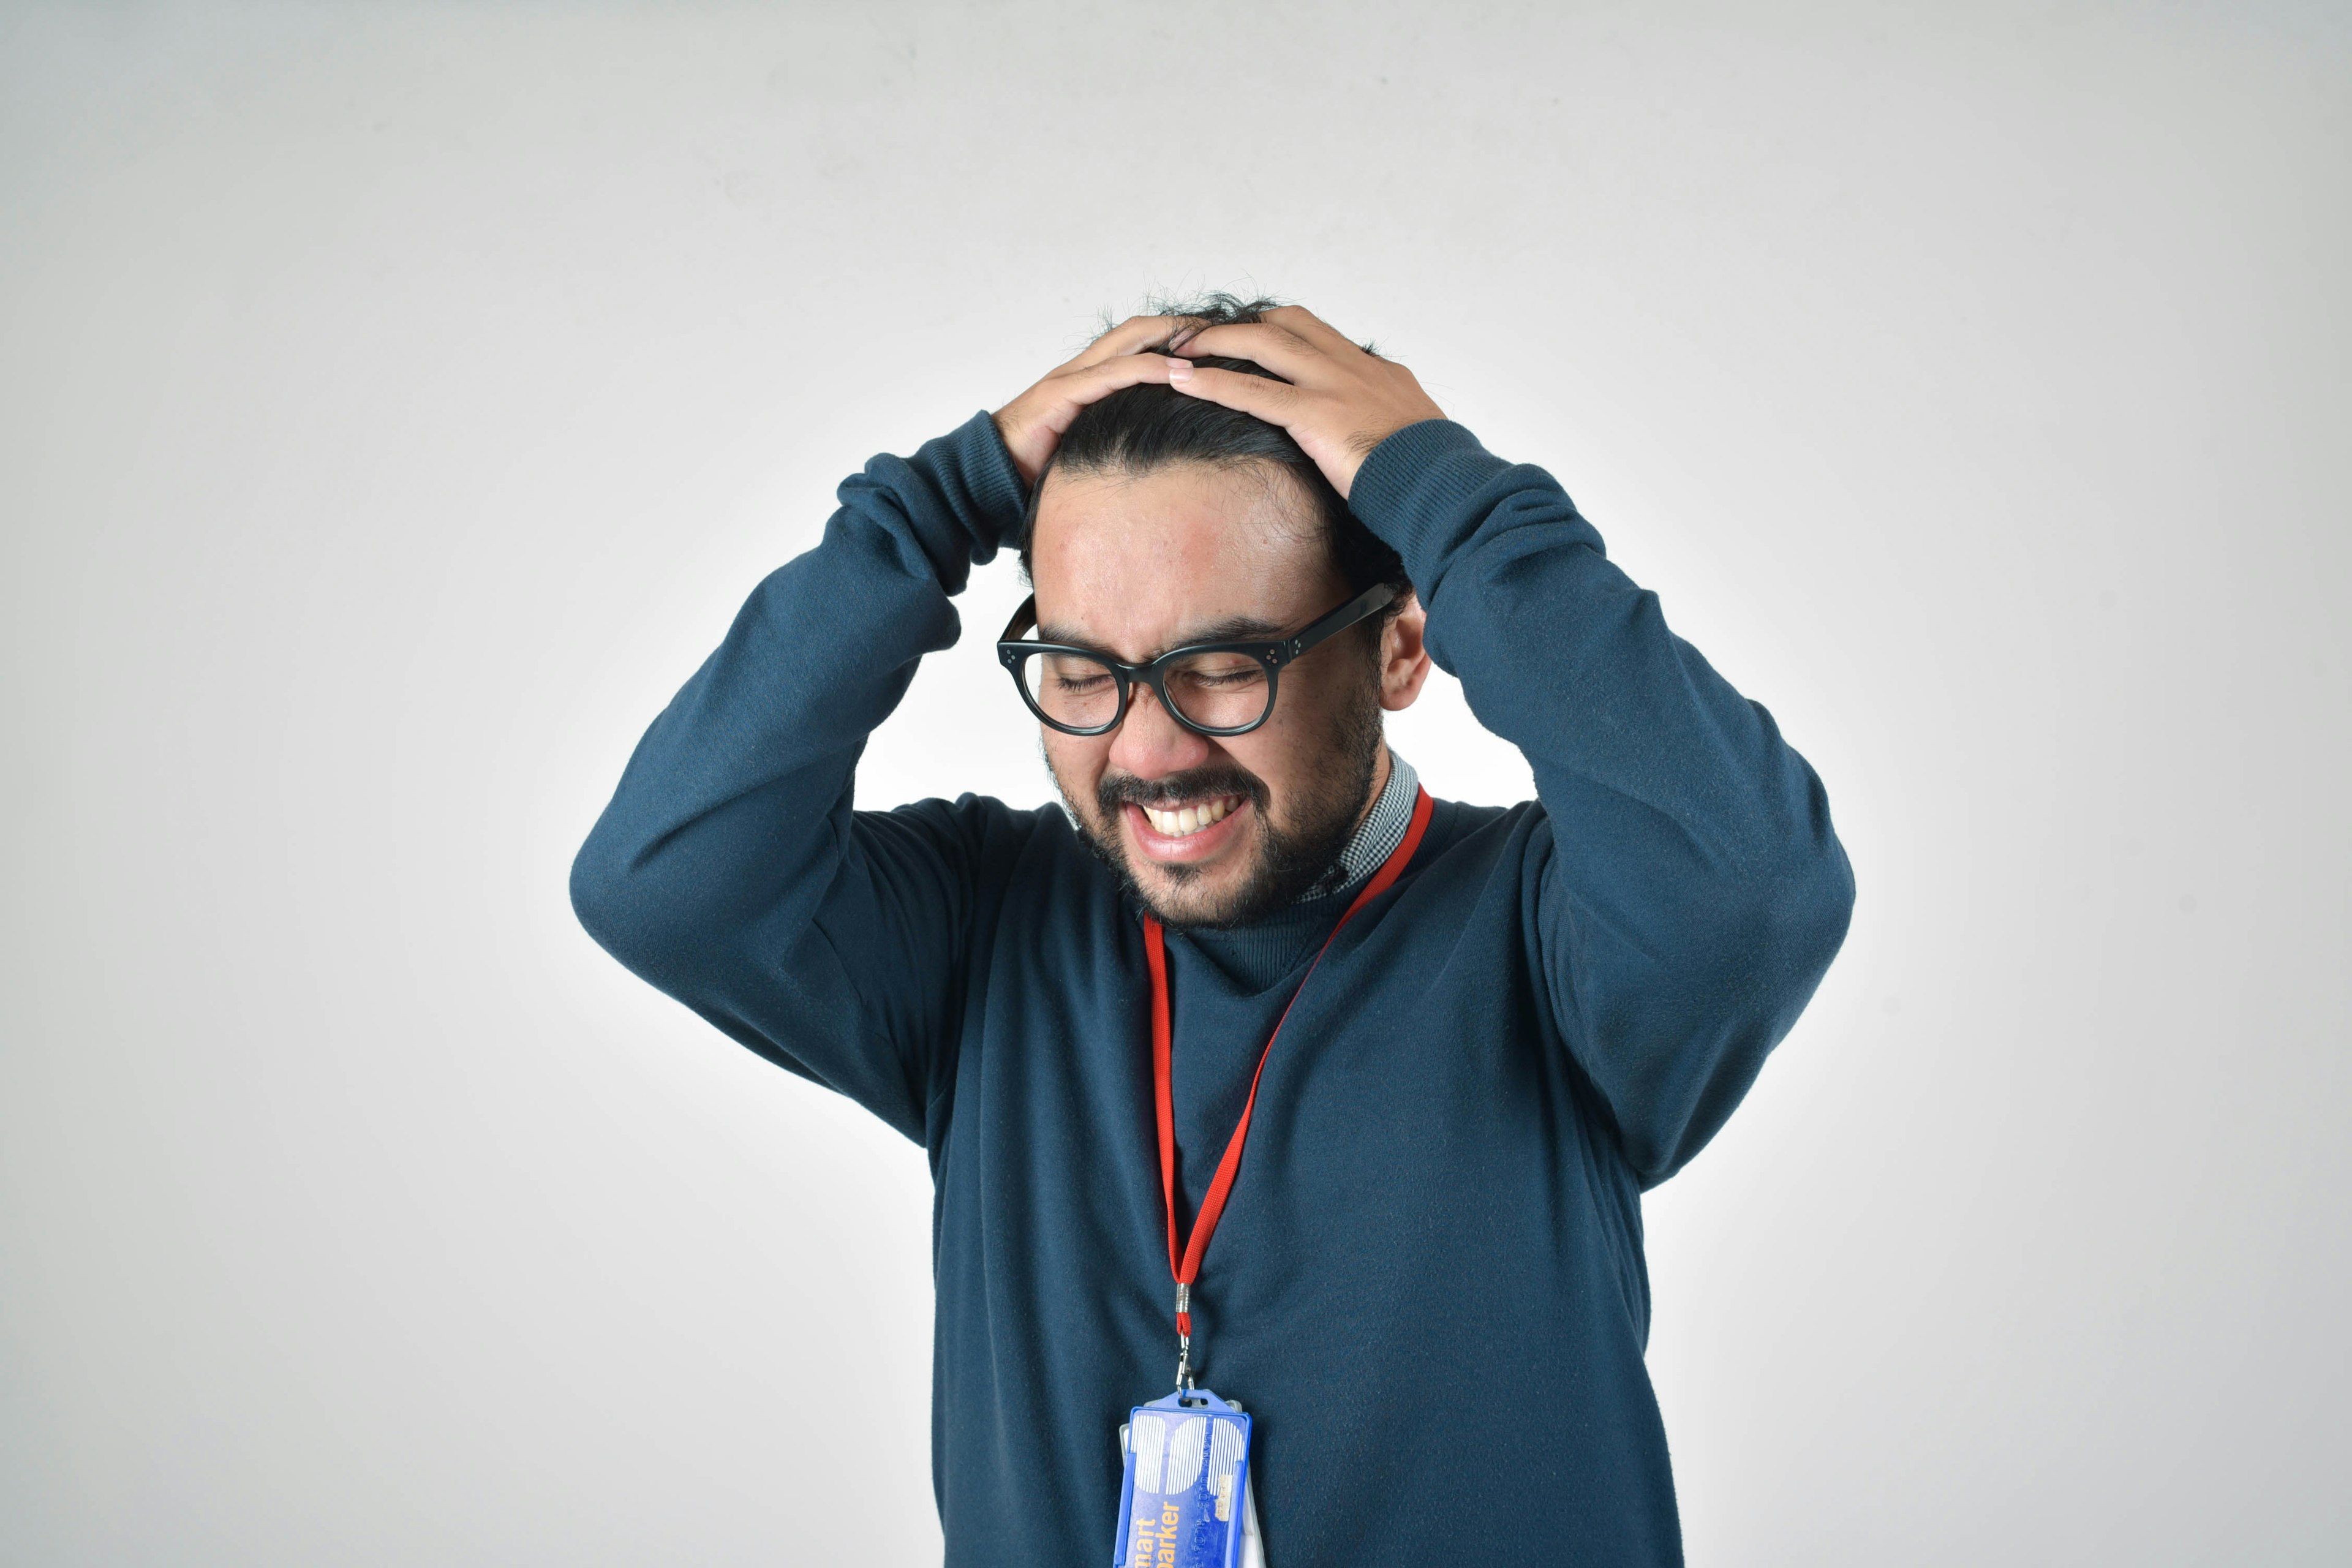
point(1214, 691)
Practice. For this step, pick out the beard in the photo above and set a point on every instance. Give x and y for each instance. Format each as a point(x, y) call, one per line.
point(1289, 858)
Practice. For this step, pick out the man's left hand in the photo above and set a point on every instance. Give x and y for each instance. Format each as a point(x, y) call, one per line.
point(1337, 401)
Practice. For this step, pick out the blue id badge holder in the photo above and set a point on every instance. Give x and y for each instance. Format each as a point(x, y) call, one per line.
point(1186, 1501)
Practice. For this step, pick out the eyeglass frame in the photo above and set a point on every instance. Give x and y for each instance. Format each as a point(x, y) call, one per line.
point(1013, 650)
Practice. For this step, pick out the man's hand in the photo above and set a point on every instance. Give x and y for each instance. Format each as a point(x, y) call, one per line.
point(1032, 423)
point(1340, 402)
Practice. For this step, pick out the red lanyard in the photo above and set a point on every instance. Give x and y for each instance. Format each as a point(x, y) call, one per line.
point(1184, 1262)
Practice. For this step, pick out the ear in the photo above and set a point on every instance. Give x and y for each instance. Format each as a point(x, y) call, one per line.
point(1404, 658)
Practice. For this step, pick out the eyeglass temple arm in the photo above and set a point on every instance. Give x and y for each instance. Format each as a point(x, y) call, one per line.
point(1375, 597)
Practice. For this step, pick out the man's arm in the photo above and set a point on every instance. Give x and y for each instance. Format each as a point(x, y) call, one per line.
point(1692, 893)
point(731, 869)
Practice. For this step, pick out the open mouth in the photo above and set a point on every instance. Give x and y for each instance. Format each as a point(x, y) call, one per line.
point(1183, 821)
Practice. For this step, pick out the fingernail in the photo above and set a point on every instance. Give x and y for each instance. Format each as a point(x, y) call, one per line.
point(1180, 370)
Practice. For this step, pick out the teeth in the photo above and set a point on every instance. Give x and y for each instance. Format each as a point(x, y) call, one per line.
point(1190, 819)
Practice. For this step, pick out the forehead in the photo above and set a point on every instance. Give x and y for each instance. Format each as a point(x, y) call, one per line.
point(1140, 562)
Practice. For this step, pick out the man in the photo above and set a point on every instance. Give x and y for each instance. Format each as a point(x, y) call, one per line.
point(1409, 1064)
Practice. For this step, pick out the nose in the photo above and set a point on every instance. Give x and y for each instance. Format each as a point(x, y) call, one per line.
point(1150, 744)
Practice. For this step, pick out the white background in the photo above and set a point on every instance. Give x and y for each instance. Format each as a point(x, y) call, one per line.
point(395, 402)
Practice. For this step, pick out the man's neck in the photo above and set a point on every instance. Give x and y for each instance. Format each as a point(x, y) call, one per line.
point(1380, 767)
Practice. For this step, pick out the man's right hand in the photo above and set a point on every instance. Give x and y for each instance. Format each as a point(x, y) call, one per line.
point(1032, 423)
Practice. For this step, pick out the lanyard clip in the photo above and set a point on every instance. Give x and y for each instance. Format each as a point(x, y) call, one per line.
point(1183, 1337)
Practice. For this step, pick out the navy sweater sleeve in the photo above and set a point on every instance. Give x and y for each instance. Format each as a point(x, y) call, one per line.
point(1690, 893)
point(731, 869)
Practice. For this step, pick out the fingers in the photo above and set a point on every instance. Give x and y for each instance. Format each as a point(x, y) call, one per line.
point(1288, 340)
point(1278, 349)
point(1086, 384)
point(1134, 333)
point(1312, 328)
point(1276, 402)
point(1071, 390)
point(1031, 424)
point(1325, 377)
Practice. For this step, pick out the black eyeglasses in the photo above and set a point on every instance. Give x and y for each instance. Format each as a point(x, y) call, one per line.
point(1212, 688)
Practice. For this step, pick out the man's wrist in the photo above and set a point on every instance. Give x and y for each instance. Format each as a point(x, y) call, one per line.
point(1415, 485)
point(973, 470)
point(999, 494)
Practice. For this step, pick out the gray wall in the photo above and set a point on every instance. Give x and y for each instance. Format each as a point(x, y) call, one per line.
point(395, 402)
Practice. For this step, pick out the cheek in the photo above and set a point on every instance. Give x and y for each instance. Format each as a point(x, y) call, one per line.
point(1077, 762)
point(1311, 699)
point(1282, 749)
point(1294, 748)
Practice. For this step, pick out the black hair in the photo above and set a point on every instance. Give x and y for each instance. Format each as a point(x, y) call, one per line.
point(1140, 428)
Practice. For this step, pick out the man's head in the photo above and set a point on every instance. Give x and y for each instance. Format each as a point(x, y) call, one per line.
point(1164, 521)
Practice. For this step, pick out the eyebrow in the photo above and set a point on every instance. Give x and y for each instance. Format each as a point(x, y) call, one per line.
point(1234, 628)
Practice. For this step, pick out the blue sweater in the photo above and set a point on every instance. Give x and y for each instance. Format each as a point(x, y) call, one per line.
point(1429, 1286)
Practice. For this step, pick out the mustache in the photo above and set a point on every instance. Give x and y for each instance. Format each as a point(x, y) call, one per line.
point(1115, 790)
